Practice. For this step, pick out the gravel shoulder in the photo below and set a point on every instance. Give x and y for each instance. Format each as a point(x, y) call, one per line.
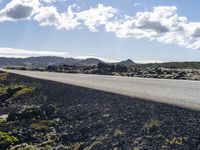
point(62, 116)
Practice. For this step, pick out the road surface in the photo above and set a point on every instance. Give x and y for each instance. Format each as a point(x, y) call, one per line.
point(177, 92)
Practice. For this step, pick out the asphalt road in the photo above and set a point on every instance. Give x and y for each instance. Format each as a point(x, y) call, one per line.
point(177, 92)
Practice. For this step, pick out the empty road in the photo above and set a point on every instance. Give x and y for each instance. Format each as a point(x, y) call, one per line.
point(176, 92)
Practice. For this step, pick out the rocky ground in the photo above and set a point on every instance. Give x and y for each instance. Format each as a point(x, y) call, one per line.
point(39, 114)
point(165, 73)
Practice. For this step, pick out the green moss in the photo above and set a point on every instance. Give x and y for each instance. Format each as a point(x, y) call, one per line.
point(24, 90)
point(42, 125)
point(19, 89)
point(117, 132)
point(150, 124)
point(77, 145)
point(2, 90)
point(116, 148)
point(175, 141)
point(27, 147)
point(4, 76)
point(2, 121)
point(136, 148)
point(7, 140)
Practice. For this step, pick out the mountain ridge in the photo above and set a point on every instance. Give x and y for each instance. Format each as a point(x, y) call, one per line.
point(49, 60)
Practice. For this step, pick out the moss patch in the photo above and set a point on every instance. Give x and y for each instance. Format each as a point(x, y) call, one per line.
point(4, 76)
point(150, 125)
point(7, 140)
point(2, 90)
point(117, 132)
point(24, 90)
point(25, 147)
point(15, 90)
point(175, 141)
point(42, 125)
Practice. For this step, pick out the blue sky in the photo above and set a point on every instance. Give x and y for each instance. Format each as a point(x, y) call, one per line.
point(143, 30)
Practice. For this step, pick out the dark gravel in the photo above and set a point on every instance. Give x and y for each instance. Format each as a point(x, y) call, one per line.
point(86, 118)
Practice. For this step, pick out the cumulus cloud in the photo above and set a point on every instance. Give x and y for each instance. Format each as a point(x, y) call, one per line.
point(49, 16)
point(91, 18)
point(98, 16)
point(19, 9)
point(143, 24)
point(162, 24)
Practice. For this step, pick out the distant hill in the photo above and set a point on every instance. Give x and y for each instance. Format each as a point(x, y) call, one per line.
point(127, 62)
point(88, 61)
point(47, 60)
point(31, 61)
point(52, 60)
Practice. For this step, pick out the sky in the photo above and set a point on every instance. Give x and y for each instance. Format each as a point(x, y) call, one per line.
point(112, 30)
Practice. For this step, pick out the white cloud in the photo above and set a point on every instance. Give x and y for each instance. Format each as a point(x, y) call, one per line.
point(19, 9)
point(143, 24)
point(52, 1)
point(91, 18)
point(22, 53)
point(48, 1)
point(95, 17)
point(12, 52)
point(100, 58)
point(162, 24)
point(149, 61)
point(49, 16)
